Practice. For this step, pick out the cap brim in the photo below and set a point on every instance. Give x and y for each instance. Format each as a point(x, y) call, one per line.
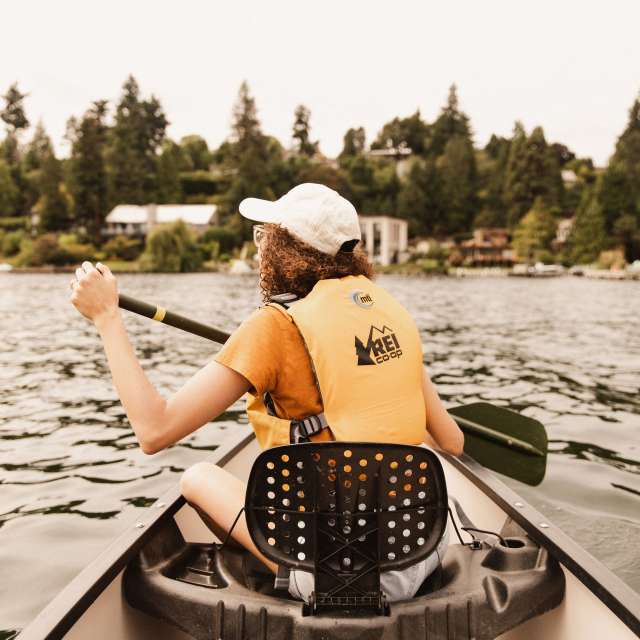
point(259, 210)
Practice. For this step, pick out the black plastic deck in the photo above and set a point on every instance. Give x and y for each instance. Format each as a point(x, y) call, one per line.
point(475, 595)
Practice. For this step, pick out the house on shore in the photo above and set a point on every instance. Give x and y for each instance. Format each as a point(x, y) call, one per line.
point(385, 239)
point(139, 220)
point(401, 155)
point(487, 247)
point(563, 232)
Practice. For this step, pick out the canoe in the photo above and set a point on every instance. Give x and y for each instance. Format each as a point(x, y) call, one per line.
point(163, 579)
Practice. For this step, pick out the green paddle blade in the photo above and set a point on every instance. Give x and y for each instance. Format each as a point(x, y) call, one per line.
point(503, 441)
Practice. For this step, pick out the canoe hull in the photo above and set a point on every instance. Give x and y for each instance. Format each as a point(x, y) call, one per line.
point(93, 604)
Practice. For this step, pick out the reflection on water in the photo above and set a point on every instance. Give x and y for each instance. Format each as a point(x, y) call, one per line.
point(564, 351)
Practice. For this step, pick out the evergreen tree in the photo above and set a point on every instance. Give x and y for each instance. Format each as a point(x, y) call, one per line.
point(627, 153)
point(8, 191)
point(619, 189)
point(535, 232)
point(626, 231)
point(170, 162)
point(13, 113)
point(135, 138)
point(88, 168)
point(616, 195)
point(254, 160)
point(53, 206)
point(457, 167)
point(532, 172)
point(354, 143)
point(588, 236)
point(38, 150)
point(15, 119)
point(302, 132)
point(491, 176)
point(420, 199)
point(450, 123)
point(35, 156)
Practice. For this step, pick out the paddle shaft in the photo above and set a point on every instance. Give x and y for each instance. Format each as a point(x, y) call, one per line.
point(468, 426)
point(173, 319)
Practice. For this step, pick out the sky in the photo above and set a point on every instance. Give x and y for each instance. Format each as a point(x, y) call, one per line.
point(571, 66)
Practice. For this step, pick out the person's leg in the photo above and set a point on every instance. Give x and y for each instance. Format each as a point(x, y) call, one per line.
point(220, 495)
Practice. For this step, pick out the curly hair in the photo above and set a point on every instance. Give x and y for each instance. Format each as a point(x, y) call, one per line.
point(288, 265)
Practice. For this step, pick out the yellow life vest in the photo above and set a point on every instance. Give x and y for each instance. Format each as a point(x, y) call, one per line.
point(366, 354)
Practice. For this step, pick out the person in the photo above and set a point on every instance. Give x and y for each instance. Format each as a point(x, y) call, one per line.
point(331, 355)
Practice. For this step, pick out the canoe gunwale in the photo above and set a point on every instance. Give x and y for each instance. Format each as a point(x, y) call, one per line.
point(623, 601)
point(58, 617)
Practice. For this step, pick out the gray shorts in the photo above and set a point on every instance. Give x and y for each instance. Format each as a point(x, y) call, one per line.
point(396, 585)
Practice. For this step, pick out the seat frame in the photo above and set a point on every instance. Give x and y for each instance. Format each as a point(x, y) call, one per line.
point(346, 512)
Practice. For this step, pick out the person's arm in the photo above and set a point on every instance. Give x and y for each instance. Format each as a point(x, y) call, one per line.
point(442, 430)
point(156, 422)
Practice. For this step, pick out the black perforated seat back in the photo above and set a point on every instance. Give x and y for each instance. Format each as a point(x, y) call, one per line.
point(346, 509)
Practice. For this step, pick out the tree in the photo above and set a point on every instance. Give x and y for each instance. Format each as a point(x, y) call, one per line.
point(411, 132)
point(8, 191)
point(354, 142)
point(451, 122)
point(171, 248)
point(88, 173)
point(35, 156)
point(532, 172)
point(38, 149)
point(253, 160)
point(588, 237)
point(135, 138)
point(457, 167)
point(533, 235)
point(626, 231)
point(13, 113)
point(302, 132)
point(170, 162)
point(563, 154)
point(53, 206)
point(15, 119)
point(491, 165)
point(619, 189)
point(627, 153)
point(616, 195)
point(420, 199)
point(195, 154)
point(325, 174)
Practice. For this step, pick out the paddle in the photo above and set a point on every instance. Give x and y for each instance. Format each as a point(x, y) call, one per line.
point(503, 440)
point(497, 438)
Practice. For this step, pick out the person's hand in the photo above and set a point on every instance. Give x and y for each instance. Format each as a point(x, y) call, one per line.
point(95, 292)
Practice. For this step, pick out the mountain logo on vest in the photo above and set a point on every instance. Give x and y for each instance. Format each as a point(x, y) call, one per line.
point(381, 346)
point(362, 299)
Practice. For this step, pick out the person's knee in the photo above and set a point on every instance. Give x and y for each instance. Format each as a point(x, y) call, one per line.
point(194, 478)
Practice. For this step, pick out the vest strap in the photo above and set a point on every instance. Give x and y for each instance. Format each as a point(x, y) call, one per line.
point(282, 578)
point(283, 299)
point(302, 430)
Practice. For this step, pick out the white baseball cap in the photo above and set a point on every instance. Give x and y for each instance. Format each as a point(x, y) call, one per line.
point(313, 213)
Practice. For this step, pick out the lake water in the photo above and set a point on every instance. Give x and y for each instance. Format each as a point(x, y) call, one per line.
point(565, 351)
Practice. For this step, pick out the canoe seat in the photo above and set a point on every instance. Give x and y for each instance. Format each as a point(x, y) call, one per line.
point(345, 512)
point(337, 524)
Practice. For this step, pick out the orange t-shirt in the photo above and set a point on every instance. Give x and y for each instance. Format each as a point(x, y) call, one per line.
point(268, 350)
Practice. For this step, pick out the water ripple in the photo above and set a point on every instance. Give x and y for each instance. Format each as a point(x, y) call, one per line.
point(564, 351)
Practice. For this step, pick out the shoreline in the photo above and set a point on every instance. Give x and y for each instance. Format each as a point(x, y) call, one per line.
point(459, 272)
